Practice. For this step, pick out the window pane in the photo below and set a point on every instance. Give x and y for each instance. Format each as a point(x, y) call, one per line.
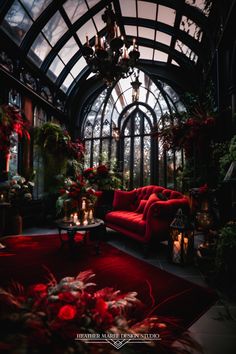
point(92, 3)
point(146, 160)
point(126, 170)
point(39, 50)
point(200, 4)
point(16, 22)
point(97, 127)
point(35, 8)
point(145, 32)
point(146, 52)
point(137, 160)
point(78, 67)
point(160, 56)
point(87, 154)
point(186, 50)
point(68, 81)
point(69, 49)
point(147, 10)
point(55, 68)
point(88, 29)
point(106, 128)
point(128, 8)
point(137, 124)
point(55, 28)
point(105, 150)
point(75, 9)
point(96, 145)
point(163, 38)
point(166, 15)
point(131, 31)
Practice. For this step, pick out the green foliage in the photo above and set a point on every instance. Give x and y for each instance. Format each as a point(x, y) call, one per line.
point(51, 138)
point(226, 250)
point(228, 156)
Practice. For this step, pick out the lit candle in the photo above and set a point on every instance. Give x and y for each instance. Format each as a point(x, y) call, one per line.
point(90, 216)
point(2, 198)
point(85, 222)
point(83, 205)
point(118, 31)
point(115, 30)
point(185, 245)
point(176, 252)
point(102, 43)
point(125, 53)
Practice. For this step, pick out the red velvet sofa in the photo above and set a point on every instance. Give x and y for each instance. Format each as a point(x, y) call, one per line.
point(145, 213)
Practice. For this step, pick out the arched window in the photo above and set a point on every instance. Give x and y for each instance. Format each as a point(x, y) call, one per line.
point(137, 151)
point(139, 157)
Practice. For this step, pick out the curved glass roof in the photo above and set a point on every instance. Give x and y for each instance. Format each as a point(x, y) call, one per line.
point(51, 33)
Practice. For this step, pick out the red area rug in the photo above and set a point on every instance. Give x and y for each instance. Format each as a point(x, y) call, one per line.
point(24, 259)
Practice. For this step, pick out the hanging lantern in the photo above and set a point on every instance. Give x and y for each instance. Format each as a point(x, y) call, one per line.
point(181, 241)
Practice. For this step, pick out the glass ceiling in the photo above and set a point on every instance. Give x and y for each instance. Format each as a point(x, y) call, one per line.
point(51, 33)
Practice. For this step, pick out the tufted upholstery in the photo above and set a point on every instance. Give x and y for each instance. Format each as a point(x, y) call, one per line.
point(136, 216)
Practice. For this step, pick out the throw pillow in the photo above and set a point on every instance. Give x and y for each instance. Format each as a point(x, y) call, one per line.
point(141, 206)
point(162, 196)
point(124, 200)
point(152, 199)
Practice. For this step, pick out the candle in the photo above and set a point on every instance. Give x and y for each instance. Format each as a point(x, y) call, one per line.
point(2, 198)
point(90, 214)
point(83, 205)
point(176, 252)
point(115, 30)
point(85, 222)
point(134, 41)
point(185, 245)
point(102, 43)
point(125, 53)
point(96, 41)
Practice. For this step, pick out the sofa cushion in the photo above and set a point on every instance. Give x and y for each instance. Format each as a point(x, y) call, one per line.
point(141, 206)
point(124, 200)
point(128, 220)
point(152, 199)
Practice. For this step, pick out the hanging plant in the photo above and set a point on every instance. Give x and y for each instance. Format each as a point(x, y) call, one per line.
point(12, 120)
point(54, 139)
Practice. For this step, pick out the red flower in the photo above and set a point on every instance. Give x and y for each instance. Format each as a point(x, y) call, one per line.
point(102, 169)
point(66, 297)
point(101, 307)
point(67, 312)
point(62, 191)
point(40, 288)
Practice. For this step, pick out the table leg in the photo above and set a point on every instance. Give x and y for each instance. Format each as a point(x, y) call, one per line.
point(71, 239)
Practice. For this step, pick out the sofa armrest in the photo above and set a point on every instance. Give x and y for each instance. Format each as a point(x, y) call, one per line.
point(160, 215)
point(167, 209)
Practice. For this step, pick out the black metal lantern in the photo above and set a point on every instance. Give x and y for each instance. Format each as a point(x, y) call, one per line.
point(181, 241)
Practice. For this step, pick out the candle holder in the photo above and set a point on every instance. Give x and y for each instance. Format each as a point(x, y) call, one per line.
point(181, 240)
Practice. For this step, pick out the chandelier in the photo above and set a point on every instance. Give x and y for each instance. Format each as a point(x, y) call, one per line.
point(110, 58)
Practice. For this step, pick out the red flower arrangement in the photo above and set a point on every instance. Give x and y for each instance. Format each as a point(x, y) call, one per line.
point(75, 149)
point(48, 317)
point(73, 191)
point(179, 134)
point(101, 178)
point(12, 120)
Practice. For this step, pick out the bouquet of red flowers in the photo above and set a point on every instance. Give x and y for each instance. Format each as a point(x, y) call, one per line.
point(11, 120)
point(101, 178)
point(73, 191)
point(48, 317)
